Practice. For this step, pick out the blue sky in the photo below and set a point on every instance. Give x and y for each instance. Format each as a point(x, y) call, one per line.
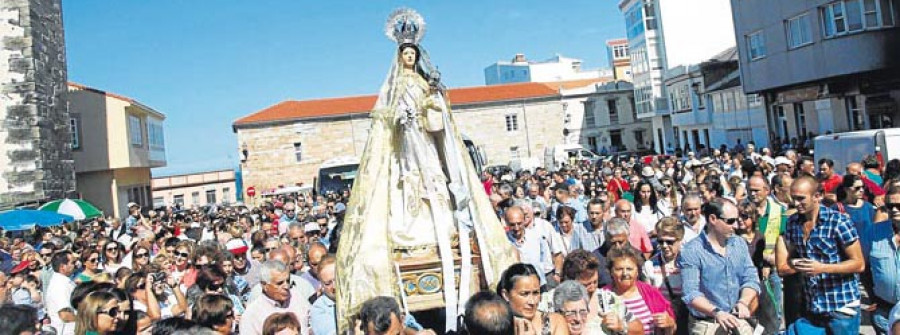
point(205, 63)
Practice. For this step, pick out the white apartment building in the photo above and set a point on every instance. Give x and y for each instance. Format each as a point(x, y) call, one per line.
point(664, 33)
point(558, 68)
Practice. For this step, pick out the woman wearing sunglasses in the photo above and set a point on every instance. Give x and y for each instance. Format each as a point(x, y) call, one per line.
point(140, 257)
point(112, 256)
point(661, 270)
point(90, 262)
point(98, 314)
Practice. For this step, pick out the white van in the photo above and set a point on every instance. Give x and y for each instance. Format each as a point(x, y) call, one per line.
point(556, 156)
point(844, 148)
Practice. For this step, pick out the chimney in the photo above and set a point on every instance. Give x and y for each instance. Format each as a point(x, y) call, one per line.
point(520, 58)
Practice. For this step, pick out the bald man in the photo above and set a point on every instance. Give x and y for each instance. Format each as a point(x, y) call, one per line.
point(826, 250)
point(313, 257)
point(532, 248)
point(637, 236)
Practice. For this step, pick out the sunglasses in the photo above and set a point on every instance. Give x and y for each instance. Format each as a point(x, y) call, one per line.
point(215, 286)
point(112, 249)
point(182, 254)
point(731, 221)
point(662, 242)
point(892, 206)
point(143, 255)
point(270, 249)
point(92, 260)
point(112, 312)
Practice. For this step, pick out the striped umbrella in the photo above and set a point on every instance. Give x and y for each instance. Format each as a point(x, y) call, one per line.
point(79, 209)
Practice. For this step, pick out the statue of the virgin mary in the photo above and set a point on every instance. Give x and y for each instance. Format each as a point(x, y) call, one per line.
point(419, 226)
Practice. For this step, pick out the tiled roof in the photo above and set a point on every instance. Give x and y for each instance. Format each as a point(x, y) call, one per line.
point(101, 92)
point(292, 109)
point(570, 84)
point(78, 86)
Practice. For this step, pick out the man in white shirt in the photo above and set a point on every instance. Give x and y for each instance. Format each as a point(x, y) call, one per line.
point(532, 248)
point(276, 297)
point(62, 315)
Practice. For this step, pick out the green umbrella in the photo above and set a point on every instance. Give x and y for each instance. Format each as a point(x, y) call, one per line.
point(79, 209)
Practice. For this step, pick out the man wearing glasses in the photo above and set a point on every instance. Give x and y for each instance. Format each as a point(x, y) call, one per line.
point(882, 276)
point(719, 279)
point(289, 216)
point(276, 298)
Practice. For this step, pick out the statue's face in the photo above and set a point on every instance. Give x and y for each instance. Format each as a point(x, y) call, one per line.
point(408, 56)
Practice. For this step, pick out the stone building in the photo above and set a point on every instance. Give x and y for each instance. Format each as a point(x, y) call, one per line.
point(284, 145)
point(601, 117)
point(35, 141)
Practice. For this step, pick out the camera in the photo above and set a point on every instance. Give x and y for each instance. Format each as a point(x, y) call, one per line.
point(159, 277)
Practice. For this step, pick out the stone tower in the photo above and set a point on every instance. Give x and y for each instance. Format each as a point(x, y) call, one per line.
point(35, 140)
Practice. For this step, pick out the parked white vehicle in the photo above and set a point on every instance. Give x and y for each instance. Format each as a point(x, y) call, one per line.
point(556, 156)
point(844, 148)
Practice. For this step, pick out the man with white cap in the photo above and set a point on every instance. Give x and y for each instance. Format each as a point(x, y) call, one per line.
point(783, 165)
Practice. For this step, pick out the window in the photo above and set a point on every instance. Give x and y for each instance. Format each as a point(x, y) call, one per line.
point(854, 114)
point(615, 139)
point(226, 195)
point(680, 98)
point(178, 199)
point(613, 111)
point(800, 118)
point(849, 16)
point(716, 102)
point(589, 119)
point(514, 152)
point(592, 142)
point(155, 135)
point(728, 98)
point(512, 122)
point(754, 100)
point(73, 129)
point(756, 45)
point(159, 202)
point(135, 130)
point(298, 151)
point(798, 31)
point(650, 12)
point(195, 198)
point(620, 51)
point(211, 196)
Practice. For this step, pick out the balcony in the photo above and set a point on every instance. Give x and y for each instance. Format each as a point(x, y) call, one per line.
point(691, 117)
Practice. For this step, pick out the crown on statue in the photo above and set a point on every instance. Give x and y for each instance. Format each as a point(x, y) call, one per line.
point(405, 26)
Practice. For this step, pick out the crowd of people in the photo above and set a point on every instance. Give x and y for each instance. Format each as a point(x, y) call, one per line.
point(718, 242)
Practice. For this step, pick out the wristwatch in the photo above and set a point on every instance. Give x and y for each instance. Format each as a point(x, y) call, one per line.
point(715, 311)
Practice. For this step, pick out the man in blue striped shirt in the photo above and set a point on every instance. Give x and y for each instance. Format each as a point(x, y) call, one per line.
point(823, 245)
point(719, 279)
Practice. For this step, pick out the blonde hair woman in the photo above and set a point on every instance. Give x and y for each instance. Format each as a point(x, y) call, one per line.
point(98, 314)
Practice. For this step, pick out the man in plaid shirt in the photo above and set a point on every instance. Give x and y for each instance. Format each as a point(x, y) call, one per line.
point(823, 246)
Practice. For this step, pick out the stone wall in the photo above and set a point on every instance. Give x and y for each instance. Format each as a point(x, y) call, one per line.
point(271, 160)
point(35, 142)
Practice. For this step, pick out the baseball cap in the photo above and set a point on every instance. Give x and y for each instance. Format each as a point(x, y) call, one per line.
point(237, 246)
point(20, 267)
point(783, 160)
point(311, 227)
